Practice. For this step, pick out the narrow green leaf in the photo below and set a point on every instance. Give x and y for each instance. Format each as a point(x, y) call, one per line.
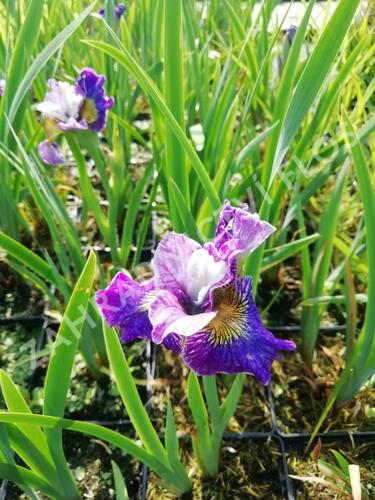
point(249, 149)
point(129, 394)
point(60, 369)
point(28, 258)
point(41, 60)
point(97, 431)
point(285, 89)
point(134, 205)
point(361, 362)
point(65, 346)
point(26, 37)
point(189, 224)
point(171, 439)
point(174, 98)
point(313, 76)
point(274, 256)
point(322, 260)
point(31, 455)
point(27, 478)
point(343, 463)
point(120, 486)
point(200, 415)
point(16, 402)
point(230, 403)
point(124, 58)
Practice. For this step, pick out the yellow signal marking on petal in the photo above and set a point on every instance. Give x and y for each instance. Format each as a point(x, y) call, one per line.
point(51, 128)
point(230, 322)
point(89, 111)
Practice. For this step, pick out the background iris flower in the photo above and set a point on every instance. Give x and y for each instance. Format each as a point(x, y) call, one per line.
point(67, 108)
point(197, 304)
point(120, 9)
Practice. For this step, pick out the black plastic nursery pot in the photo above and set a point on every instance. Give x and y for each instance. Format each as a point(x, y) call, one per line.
point(270, 442)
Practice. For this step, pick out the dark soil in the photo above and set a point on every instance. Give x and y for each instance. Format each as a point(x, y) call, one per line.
point(247, 470)
point(90, 462)
point(363, 455)
point(17, 296)
point(18, 344)
point(300, 397)
point(95, 398)
point(252, 413)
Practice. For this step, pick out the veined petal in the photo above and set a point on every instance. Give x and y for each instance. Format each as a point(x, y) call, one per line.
point(170, 263)
point(50, 153)
point(238, 232)
point(235, 341)
point(168, 317)
point(122, 304)
point(173, 342)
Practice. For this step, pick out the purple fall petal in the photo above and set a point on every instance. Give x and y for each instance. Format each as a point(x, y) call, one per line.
point(235, 341)
point(122, 304)
point(49, 152)
point(95, 104)
point(173, 342)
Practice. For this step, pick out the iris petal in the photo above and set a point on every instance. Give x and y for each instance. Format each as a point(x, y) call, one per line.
point(169, 317)
point(50, 153)
point(235, 341)
point(239, 233)
point(90, 86)
point(122, 305)
point(171, 261)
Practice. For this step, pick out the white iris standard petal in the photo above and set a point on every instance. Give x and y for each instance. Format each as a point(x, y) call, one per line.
point(202, 273)
point(62, 102)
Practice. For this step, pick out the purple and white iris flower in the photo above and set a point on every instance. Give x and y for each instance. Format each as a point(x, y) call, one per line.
point(120, 10)
point(67, 108)
point(197, 304)
point(2, 87)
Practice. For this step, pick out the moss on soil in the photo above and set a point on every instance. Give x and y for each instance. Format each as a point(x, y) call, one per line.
point(17, 344)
